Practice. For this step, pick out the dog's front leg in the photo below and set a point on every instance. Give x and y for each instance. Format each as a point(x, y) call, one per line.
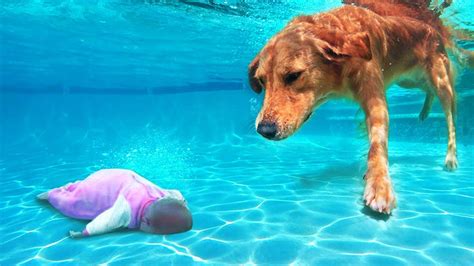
point(378, 195)
point(369, 90)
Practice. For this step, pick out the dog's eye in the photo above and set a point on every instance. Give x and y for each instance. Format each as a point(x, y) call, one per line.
point(291, 77)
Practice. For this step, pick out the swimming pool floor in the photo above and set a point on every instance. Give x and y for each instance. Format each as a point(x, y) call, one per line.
point(253, 201)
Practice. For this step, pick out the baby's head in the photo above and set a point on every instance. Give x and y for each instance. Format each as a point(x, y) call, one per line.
point(167, 216)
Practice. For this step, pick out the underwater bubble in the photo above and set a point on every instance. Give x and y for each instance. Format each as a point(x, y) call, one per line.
point(153, 154)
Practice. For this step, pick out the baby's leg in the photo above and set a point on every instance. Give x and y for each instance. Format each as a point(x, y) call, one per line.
point(71, 201)
point(68, 187)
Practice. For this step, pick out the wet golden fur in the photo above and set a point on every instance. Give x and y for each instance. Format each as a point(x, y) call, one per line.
point(357, 51)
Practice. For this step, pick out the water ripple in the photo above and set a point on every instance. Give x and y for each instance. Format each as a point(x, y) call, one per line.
point(253, 203)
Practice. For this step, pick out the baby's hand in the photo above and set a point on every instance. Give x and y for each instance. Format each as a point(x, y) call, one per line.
point(74, 234)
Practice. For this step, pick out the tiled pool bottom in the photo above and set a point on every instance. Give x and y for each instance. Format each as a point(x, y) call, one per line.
point(253, 201)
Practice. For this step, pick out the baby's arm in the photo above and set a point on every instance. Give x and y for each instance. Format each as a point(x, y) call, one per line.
point(117, 216)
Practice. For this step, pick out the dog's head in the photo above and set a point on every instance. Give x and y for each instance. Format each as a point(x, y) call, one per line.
point(299, 71)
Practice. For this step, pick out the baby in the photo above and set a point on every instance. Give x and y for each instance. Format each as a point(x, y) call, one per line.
point(117, 198)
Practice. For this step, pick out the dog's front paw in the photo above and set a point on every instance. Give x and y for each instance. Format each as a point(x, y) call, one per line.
point(379, 195)
point(451, 162)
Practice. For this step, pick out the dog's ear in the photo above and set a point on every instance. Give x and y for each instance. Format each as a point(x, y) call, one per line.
point(254, 83)
point(354, 45)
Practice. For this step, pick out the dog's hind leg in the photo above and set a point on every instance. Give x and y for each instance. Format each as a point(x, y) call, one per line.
point(425, 111)
point(441, 79)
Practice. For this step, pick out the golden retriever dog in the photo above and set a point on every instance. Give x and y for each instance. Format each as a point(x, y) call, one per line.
point(357, 51)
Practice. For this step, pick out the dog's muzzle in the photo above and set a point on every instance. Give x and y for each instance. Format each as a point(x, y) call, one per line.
point(267, 129)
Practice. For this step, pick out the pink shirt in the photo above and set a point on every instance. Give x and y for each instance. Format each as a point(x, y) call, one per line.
point(90, 197)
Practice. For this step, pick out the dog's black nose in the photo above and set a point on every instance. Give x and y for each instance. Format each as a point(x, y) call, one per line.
point(268, 130)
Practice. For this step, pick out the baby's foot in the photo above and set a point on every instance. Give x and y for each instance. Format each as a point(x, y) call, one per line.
point(43, 196)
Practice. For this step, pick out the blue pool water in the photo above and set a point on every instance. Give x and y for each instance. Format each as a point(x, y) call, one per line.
point(161, 89)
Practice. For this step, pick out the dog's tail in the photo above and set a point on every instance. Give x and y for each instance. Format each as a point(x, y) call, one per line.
point(465, 58)
point(470, 58)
